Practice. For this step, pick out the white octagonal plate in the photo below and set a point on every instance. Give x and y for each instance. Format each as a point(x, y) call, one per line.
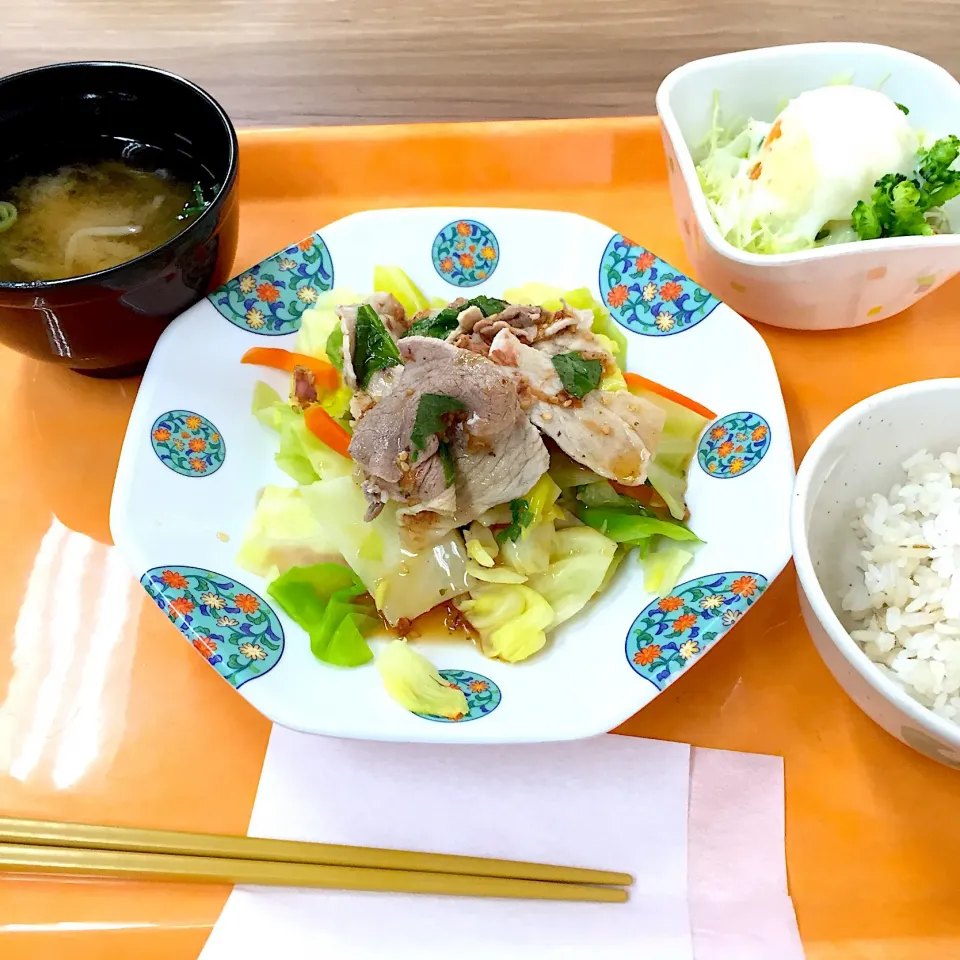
point(194, 461)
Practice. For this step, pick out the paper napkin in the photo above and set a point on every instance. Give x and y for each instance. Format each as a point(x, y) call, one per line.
point(618, 803)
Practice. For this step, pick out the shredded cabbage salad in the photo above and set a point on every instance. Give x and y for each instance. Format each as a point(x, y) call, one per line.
point(729, 152)
point(767, 217)
point(510, 576)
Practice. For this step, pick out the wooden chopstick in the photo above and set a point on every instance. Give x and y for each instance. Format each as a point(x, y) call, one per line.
point(42, 833)
point(128, 865)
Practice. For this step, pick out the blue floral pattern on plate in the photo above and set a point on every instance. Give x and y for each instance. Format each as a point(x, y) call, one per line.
point(465, 253)
point(734, 445)
point(672, 631)
point(271, 297)
point(648, 296)
point(233, 628)
point(483, 695)
point(187, 443)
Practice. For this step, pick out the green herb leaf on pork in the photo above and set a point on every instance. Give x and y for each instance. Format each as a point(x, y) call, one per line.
point(578, 375)
point(445, 322)
point(374, 349)
point(432, 417)
point(446, 458)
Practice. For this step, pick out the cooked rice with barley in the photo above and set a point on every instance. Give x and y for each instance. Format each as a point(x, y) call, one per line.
point(905, 611)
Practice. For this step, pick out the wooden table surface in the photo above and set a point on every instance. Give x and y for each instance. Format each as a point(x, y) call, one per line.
point(383, 61)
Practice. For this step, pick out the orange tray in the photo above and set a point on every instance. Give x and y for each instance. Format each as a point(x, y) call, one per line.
point(106, 717)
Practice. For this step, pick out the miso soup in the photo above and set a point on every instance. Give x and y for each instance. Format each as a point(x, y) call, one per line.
point(86, 218)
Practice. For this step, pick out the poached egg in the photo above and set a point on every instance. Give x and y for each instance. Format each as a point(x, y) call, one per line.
point(822, 154)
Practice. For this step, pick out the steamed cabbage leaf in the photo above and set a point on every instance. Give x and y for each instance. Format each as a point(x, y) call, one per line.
point(531, 552)
point(623, 527)
point(403, 584)
point(317, 323)
point(662, 567)
point(498, 573)
point(600, 493)
point(618, 557)
point(566, 472)
point(395, 281)
point(623, 520)
point(667, 471)
point(526, 542)
point(413, 681)
point(510, 618)
point(579, 562)
point(329, 602)
point(282, 533)
point(301, 455)
point(541, 502)
point(482, 546)
point(265, 405)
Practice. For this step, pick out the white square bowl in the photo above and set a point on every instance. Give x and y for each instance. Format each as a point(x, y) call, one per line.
point(831, 287)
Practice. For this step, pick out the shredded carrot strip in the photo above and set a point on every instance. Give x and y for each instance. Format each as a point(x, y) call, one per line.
point(636, 382)
point(326, 429)
point(642, 494)
point(774, 134)
point(325, 374)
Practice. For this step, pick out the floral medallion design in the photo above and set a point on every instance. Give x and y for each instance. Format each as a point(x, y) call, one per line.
point(646, 295)
point(232, 627)
point(734, 445)
point(187, 443)
point(465, 253)
point(483, 695)
point(271, 297)
point(672, 631)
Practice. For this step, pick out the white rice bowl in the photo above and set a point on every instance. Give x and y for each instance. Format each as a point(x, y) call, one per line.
point(904, 608)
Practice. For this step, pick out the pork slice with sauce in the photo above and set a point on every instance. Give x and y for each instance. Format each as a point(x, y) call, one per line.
point(304, 390)
point(381, 444)
point(485, 474)
point(420, 487)
point(476, 332)
point(495, 460)
point(612, 433)
point(513, 463)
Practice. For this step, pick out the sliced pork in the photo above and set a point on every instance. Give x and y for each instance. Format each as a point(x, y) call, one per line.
point(529, 324)
point(612, 433)
point(514, 462)
point(391, 311)
point(475, 332)
point(490, 438)
point(304, 387)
